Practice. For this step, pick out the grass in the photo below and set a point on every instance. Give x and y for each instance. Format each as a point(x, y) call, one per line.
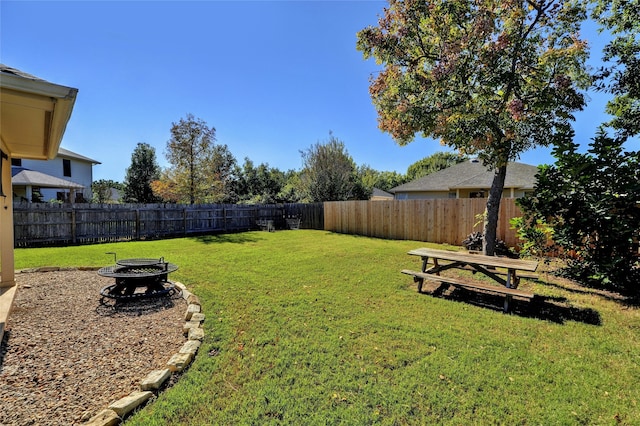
point(310, 327)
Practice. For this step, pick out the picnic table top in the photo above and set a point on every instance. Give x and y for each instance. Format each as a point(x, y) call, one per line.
point(478, 259)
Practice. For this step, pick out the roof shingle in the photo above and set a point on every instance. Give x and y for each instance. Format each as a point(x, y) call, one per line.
point(471, 174)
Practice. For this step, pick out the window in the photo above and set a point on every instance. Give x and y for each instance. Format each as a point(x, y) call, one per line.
point(477, 194)
point(66, 167)
point(16, 162)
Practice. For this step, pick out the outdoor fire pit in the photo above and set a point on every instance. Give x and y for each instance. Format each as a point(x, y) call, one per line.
point(138, 278)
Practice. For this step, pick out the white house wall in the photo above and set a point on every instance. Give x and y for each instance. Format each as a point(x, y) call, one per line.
point(81, 172)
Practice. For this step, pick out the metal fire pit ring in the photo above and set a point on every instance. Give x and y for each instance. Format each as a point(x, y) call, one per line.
point(138, 278)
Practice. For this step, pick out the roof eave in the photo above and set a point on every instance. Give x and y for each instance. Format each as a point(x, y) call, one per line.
point(63, 99)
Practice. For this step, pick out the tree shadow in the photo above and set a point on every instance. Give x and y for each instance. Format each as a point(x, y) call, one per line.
point(553, 309)
point(603, 294)
point(236, 238)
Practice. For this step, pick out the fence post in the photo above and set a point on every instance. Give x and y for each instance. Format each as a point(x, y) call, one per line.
point(184, 220)
point(137, 224)
point(73, 225)
point(224, 218)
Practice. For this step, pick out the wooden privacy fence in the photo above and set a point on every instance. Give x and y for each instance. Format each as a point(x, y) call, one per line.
point(447, 221)
point(38, 224)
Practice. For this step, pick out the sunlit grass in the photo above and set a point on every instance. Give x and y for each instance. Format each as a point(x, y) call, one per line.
point(310, 327)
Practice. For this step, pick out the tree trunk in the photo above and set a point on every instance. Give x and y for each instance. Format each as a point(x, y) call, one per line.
point(493, 210)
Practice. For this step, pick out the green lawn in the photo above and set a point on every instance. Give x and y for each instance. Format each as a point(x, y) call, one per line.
point(310, 327)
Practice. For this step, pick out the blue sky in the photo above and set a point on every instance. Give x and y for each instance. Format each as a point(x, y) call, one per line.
point(273, 77)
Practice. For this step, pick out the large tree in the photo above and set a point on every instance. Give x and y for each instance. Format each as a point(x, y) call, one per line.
point(329, 172)
point(492, 78)
point(143, 170)
point(590, 200)
point(200, 171)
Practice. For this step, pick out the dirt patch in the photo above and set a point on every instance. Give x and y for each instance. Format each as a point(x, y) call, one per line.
point(66, 356)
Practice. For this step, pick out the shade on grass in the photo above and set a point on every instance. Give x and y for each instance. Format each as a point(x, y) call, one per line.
point(310, 327)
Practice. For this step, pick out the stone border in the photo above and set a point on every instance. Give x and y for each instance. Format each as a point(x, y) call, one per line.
point(150, 385)
point(115, 413)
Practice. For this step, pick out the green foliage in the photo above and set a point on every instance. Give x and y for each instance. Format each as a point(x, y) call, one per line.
point(259, 185)
point(490, 78)
point(143, 170)
point(102, 190)
point(368, 178)
point(536, 236)
point(315, 328)
point(433, 163)
point(592, 201)
point(291, 192)
point(329, 173)
point(621, 74)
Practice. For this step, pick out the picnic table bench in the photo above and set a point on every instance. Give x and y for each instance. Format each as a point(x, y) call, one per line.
point(442, 260)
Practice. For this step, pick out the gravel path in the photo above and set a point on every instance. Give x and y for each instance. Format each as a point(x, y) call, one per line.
point(66, 356)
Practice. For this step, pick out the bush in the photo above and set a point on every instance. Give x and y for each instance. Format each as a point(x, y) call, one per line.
point(474, 240)
point(591, 200)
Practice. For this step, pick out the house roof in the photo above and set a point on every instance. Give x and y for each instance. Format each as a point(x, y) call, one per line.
point(25, 177)
point(34, 114)
point(470, 175)
point(380, 193)
point(62, 152)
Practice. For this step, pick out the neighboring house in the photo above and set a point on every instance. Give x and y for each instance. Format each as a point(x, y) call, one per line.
point(33, 117)
point(469, 179)
point(65, 178)
point(380, 195)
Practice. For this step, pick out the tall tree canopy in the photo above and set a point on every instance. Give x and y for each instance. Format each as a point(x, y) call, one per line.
point(200, 171)
point(143, 170)
point(491, 78)
point(328, 173)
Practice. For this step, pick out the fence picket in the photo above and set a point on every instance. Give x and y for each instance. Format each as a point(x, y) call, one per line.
point(437, 220)
point(38, 224)
point(446, 221)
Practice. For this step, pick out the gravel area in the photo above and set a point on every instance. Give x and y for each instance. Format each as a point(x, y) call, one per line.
point(66, 356)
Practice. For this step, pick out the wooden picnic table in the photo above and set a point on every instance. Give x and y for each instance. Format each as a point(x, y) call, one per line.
point(508, 276)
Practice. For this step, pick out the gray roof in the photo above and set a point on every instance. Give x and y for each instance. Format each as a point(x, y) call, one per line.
point(21, 176)
point(5, 69)
point(70, 154)
point(470, 175)
point(380, 193)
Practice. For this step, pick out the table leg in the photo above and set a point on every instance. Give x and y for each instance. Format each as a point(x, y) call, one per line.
point(425, 260)
point(507, 299)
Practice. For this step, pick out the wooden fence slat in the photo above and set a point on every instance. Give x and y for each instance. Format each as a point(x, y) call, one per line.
point(41, 224)
point(437, 220)
point(446, 221)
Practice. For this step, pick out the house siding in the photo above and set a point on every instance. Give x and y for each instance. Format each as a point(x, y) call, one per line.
point(462, 193)
point(81, 173)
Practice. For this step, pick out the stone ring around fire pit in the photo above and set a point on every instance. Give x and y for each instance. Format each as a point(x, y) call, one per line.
point(138, 278)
